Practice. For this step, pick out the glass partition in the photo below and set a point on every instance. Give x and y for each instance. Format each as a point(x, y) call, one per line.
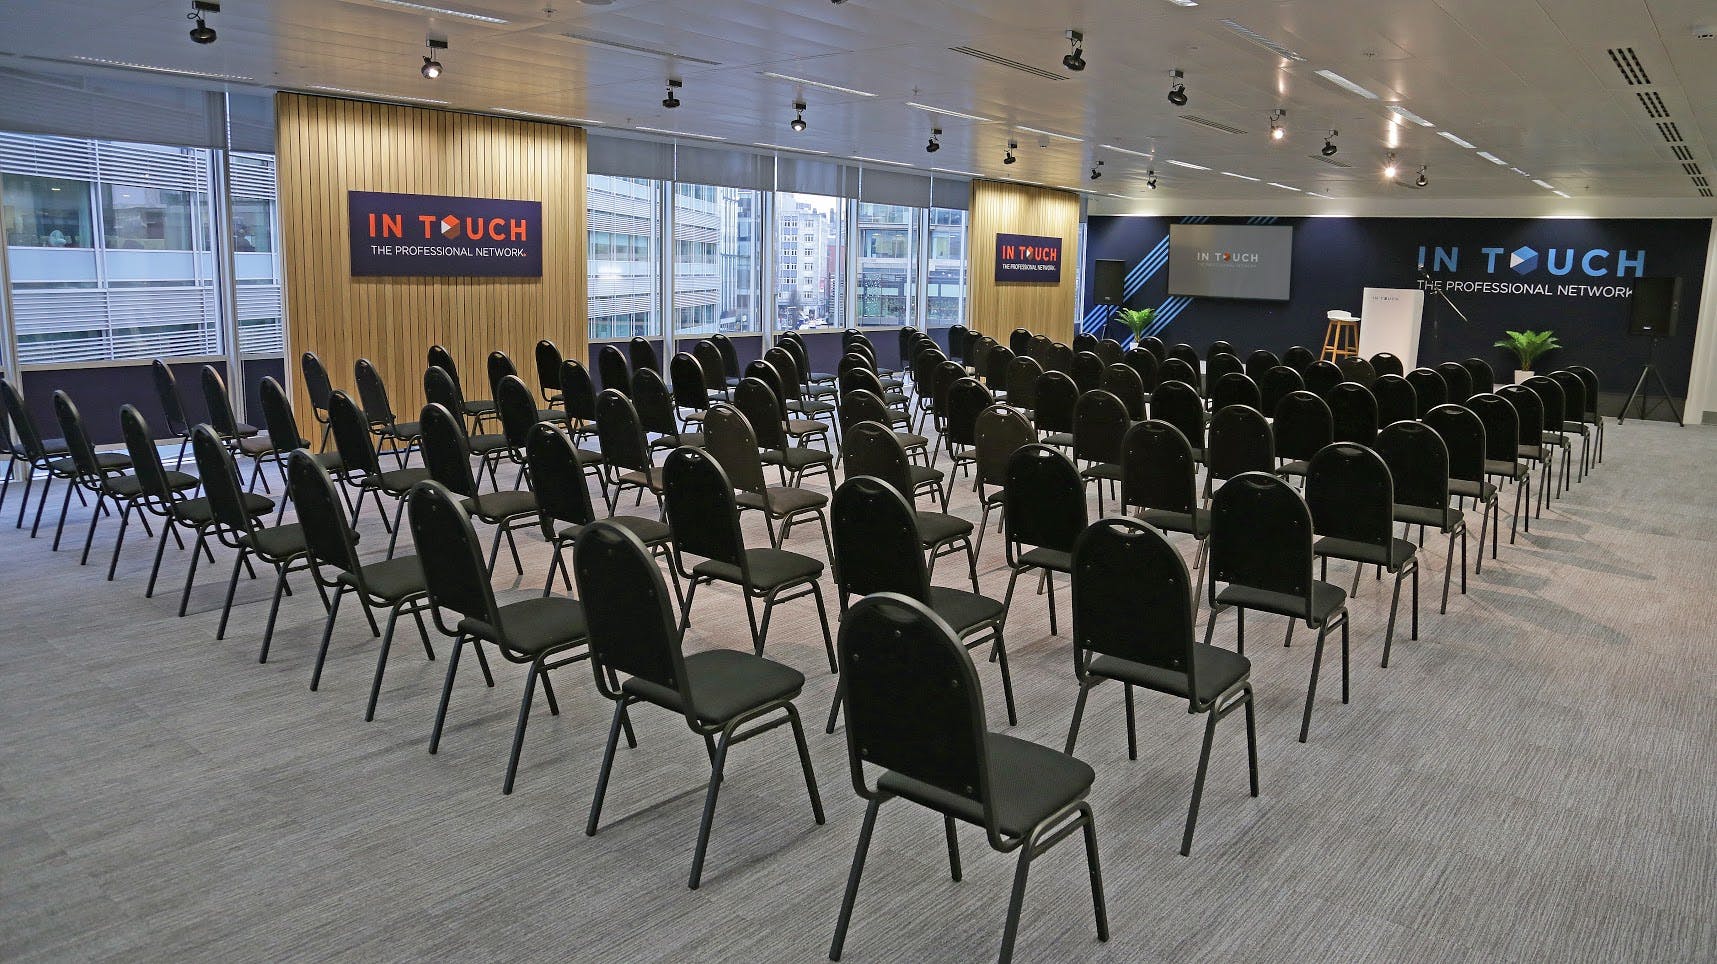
point(716, 235)
point(624, 223)
point(810, 261)
point(887, 265)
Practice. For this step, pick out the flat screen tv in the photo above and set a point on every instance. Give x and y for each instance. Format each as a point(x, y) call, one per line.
point(1231, 261)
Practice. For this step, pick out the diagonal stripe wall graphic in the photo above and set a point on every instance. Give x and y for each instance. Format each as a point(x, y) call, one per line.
point(1094, 321)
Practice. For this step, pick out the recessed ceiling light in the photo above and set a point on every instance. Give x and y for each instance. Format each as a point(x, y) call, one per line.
point(1345, 84)
point(878, 160)
point(1487, 155)
point(949, 170)
point(1242, 177)
point(1185, 164)
point(815, 83)
point(783, 147)
point(1520, 172)
point(1123, 150)
point(669, 133)
point(948, 113)
point(533, 115)
point(1033, 130)
point(375, 96)
point(1284, 187)
point(1316, 194)
point(1546, 185)
point(426, 8)
point(1179, 3)
point(1559, 194)
point(1458, 142)
point(166, 70)
point(1406, 114)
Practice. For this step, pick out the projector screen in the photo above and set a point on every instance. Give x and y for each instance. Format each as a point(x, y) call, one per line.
point(1231, 261)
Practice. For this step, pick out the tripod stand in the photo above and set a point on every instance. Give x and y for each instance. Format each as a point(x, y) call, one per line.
point(1442, 298)
point(1642, 391)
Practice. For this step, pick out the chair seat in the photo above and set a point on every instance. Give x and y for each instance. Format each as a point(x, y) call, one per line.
point(964, 611)
point(1483, 491)
point(130, 486)
point(277, 542)
point(723, 684)
point(504, 504)
point(405, 430)
point(909, 441)
point(327, 460)
point(797, 427)
point(938, 527)
point(198, 512)
point(1508, 470)
point(1102, 470)
point(781, 500)
point(651, 481)
point(255, 445)
point(1028, 784)
point(894, 399)
point(1443, 519)
point(1044, 558)
point(1578, 428)
point(391, 579)
point(1218, 671)
point(1295, 467)
point(400, 481)
point(480, 406)
point(1196, 522)
point(533, 626)
point(810, 406)
point(1060, 440)
point(651, 532)
point(770, 569)
point(797, 457)
point(1535, 452)
point(924, 475)
point(242, 430)
point(1326, 601)
point(117, 461)
point(1391, 557)
point(552, 415)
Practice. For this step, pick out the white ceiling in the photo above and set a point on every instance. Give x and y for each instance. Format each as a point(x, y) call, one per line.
point(1531, 81)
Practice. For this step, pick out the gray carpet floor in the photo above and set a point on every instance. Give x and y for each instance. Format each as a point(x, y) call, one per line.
point(1533, 779)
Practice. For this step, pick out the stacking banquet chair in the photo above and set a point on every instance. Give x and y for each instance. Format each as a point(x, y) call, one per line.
point(1235, 388)
point(478, 410)
point(1185, 354)
point(449, 462)
point(1302, 427)
point(1278, 383)
point(1159, 477)
point(1574, 418)
point(1087, 371)
point(1397, 400)
point(578, 397)
point(641, 352)
point(1110, 351)
point(714, 369)
point(1261, 547)
point(1299, 358)
point(872, 450)
point(720, 692)
point(1133, 622)
point(172, 406)
point(655, 407)
point(549, 360)
point(557, 478)
point(1353, 411)
point(1156, 346)
point(690, 392)
point(396, 584)
point(1240, 441)
point(730, 439)
point(216, 520)
point(106, 483)
point(1059, 358)
point(1019, 340)
point(13, 451)
point(801, 430)
point(704, 517)
point(1385, 363)
point(1222, 363)
point(1083, 342)
point(401, 437)
point(895, 653)
point(1322, 377)
point(612, 366)
point(866, 405)
point(544, 632)
point(1178, 404)
point(500, 366)
point(1351, 496)
point(1145, 365)
point(996, 365)
point(729, 357)
point(360, 465)
point(1125, 384)
point(1100, 423)
point(1502, 453)
point(1458, 380)
point(1054, 400)
point(625, 451)
point(240, 438)
point(1429, 390)
point(1021, 386)
point(163, 491)
point(877, 549)
point(966, 398)
point(1419, 463)
point(1482, 375)
point(1529, 444)
point(925, 360)
point(1259, 362)
point(518, 416)
point(1043, 514)
point(1590, 415)
point(49, 457)
point(1177, 370)
point(320, 389)
point(761, 406)
point(942, 378)
point(1463, 434)
point(282, 428)
point(1001, 431)
point(1357, 369)
point(1554, 436)
point(440, 389)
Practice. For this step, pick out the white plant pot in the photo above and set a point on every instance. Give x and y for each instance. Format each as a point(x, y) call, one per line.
point(1521, 375)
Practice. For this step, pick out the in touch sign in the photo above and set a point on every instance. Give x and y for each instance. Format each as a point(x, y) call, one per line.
point(1027, 257)
point(425, 235)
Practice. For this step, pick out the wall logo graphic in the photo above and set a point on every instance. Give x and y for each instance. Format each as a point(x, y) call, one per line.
point(1028, 257)
point(1523, 260)
point(423, 235)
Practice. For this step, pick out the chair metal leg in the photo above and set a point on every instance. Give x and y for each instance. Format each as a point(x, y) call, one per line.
point(1312, 687)
point(24, 499)
point(167, 526)
point(1049, 579)
point(607, 768)
point(1099, 907)
point(398, 517)
point(1251, 741)
point(65, 507)
point(1394, 604)
point(1198, 782)
point(273, 613)
point(953, 849)
point(232, 588)
point(446, 693)
point(1010, 930)
point(716, 767)
point(119, 541)
point(851, 895)
point(999, 649)
point(328, 634)
point(805, 762)
point(1448, 572)
point(1132, 728)
point(191, 576)
point(531, 675)
point(823, 621)
point(382, 659)
point(1078, 715)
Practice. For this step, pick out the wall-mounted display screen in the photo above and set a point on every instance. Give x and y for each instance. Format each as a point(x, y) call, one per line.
point(1231, 261)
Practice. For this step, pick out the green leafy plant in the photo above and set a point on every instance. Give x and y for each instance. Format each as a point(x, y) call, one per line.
point(1529, 345)
point(1139, 320)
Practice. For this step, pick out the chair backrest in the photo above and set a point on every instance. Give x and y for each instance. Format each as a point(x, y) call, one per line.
point(654, 405)
point(517, 408)
point(628, 613)
point(556, 477)
point(577, 390)
point(1109, 350)
point(440, 389)
point(1039, 347)
point(440, 357)
point(869, 448)
point(1299, 358)
point(1157, 468)
point(642, 354)
point(215, 398)
point(548, 366)
point(978, 356)
point(1145, 364)
point(616, 373)
point(277, 416)
point(1277, 384)
point(316, 383)
point(1385, 363)
point(996, 364)
point(352, 435)
point(1022, 375)
point(795, 348)
point(1100, 422)
point(785, 366)
point(1220, 347)
point(1055, 399)
point(372, 392)
point(769, 375)
point(1351, 494)
point(221, 484)
point(864, 405)
point(453, 571)
point(1261, 536)
point(1235, 388)
point(1354, 412)
point(1573, 394)
point(1397, 399)
point(1132, 598)
point(1463, 435)
point(1550, 395)
point(729, 356)
point(701, 509)
point(762, 408)
point(1240, 441)
point(1177, 370)
point(29, 437)
point(1183, 352)
point(1178, 404)
point(1590, 378)
point(1529, 413)
point(1044, 500)
point(1357, 369)
point(1222, 364)
point(446, 451)
point(966, 398)
point(1001, 430)
point(1459, 382)
point(690, 391)
point(620, 433)
point(1321, 376)
point(1419, 463)
point(321, 513)
point(167, 393)
point(957, 341)
point(710, 360)
point(1501, 426)
point(877, 547)
point(1058, 358)
point(1123, 382)
point(924, 361)
point(500, 365)
point(1083, 342)
point(78, 445)
point(1303, 425)
point(941, 380)
point(1019, 341)
point(1429, 390)
point(728, 436)
point(1259, 362)
point(140, 445)
point(1483, 376)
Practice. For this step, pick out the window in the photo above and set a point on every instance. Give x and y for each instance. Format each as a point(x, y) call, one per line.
point(887, 264)
point(945, 276)
point(256, 258)
point(45, 212)
point(809, 290)
point(152, 219)
point(624, 223)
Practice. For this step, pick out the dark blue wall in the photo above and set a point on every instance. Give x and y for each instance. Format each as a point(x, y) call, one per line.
point(99, 392)
point(1335, 258)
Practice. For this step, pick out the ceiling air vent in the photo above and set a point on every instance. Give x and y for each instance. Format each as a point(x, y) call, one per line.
point(1681, 153)
point(1652, 101)
point(1001, 61)
point(1212, 124)
point(1628, 63)
point(1692, 169)
point(592, 41)
point(1670, 132)
point(1332, 162)
point(1255, 37)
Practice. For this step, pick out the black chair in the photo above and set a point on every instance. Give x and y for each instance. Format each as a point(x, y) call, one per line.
point(478, 410)
point(691, 393)
point(240, 438)
point(1458, 381)
point(1059, 358)
point(1240, 441)
point(1302, 427)
point(1397, 400)
point(1133, 622)
point(819, 418)
point(612, 366)
point(996, 365)
point(641, 352)
point(1482, 375)
point(1044, 514)
point(1178, 404)
point(730, 439)
point(721, 693)
point(729, 357)
point(1574, 415)
point(1177, 370)
point(48, 456)
point(578, 398)
point(966, 398)
point(1083, 342)
point(1220, 347)
point(817, 384)
point(855, 372)
point(1185, 354)
point(1019, 341)
point(1001, 431)
point(448, 458)
point(518, 409)
point(1222, 364)
point(1123, 382)
point(401, 437)
point(318, 386)
point(543, 632)
point(655, 407)
point(1322, 377)
point(107, 482)
point(1429, 390)
point(1146, 365)
point(397, 584)
point(283, 432)
point(1021, 386)
point(714, 368)
point(549, 360)
point(1087, 371)
point(1261, 547)
point(762, 407)
point(1235, 388)
point(800, 430)
point(440, 389)
point(172, 406)
point(1385, 363)
point(1357, 369)
point(1110, 351)
point(500, 367)
point(626, 453)
point(862, 404)
point(925, 360)
point(1278, 383)
point(1299, 358)
point(360, 465)
point(1463, 433)
point(1555, 435)
point(871, 449)
point(1351, 496)
point(895, 652)
point(1591, 416)
point(1354, 412)
point(163, 492)
point(1419, 464)
point(957, 342)
point(1259, 362)
point(1159, 477)
point(1100, 423)
point(1156, 346)
point(233, 523)
point(1529, 445)
point(1502, 452)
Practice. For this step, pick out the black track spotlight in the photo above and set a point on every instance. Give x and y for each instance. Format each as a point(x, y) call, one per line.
point(1151, 180)
point(1177, 93)
point(431, 68)
point(202, 33)
point(1329, 147)
point(1009, 157)
point(1097, 170)
point(1389, 167)
point(1422, 180)
point(1278, 131)
point(935, 143)
point(670, 102)
point(1075, 61)
point(799, 124)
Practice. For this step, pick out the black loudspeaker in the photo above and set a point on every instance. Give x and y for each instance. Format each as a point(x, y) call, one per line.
point(1656, 303)
point(1109, 281)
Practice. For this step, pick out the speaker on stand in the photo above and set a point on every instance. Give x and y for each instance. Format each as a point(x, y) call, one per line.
point(1108, 287)
point(1654, 311)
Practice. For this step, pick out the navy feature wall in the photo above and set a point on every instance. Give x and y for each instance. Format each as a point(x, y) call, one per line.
point(1573, 276)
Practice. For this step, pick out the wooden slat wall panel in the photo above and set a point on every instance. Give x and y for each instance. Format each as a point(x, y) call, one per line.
point(1002, 208)
point(328, 146)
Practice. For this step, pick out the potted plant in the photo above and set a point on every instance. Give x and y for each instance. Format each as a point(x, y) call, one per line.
point(1139, 320)
point(1527, 347)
